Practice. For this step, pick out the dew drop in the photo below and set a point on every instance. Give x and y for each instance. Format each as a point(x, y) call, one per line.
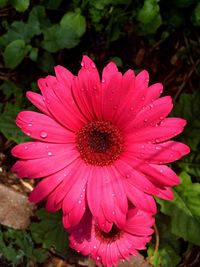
point(112, 91)
point(43, 134)
point(115, 107)
point(28, 133)
point(94, 88)
point(157, 140)
point(95, 247)
point(43, 98)
point(82, 64)
point(127, 176)
point(161, 170)
point(151, 106)
point(97, 258)
point(158, 147)
point(113, 195)
point(142, 146)
point(47, 147)
point(79, 202)
point(145, 120)
point(29, 124)
point(143, 98)
point(50, 153)
point(65, 174)
point(131, 108)
point(103, 81)
point(161, 118)
point(147, 80)
point(25, 147)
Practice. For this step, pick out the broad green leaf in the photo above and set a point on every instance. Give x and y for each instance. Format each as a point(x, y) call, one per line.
point(14, 53)
point(184, 210)
point(38, 20)
point(74, 22)
point(66, 34)
point(9, 88)
point(196, 15)
point(20, 246)
point(149, 11)
point(33, 53)
point(8, 127)
point(188, 108)
point(169, 245)
point(49, 231)
point(3, 3)
point(20, 5)
point(19, 30)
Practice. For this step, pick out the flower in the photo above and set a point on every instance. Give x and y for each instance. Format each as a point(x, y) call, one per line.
point(117, 244)
point(99, 144)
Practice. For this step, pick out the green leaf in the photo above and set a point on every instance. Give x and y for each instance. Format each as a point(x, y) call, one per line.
point(149, 11)
point(66, 34)
point(33, 53)
point(74, 22)
point(49, 231)
point(38, 20)
point(196, 15)
point(169, 245)
point(8, 127)
point(184, 210)
point(20, 5)
point(3, 3)
point(188, 108)
point(18, 30)
point(46, 62)
point(14, 53)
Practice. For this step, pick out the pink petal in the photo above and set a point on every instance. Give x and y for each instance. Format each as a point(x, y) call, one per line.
point(64, 76)
point(134, 101)
point(132, 176)
point(75, 194)
point(37, 168)
point(42, 127)
point(165, 193)
point(153, 113)
point(38, 102)
point(112, 95)
point(66, 113)
point(45, 187)
point(153, 92)
point(167, 129)
point(140, 199)
point(158, 153)
point(94, 191)
point(37, 150)
point(159, 175)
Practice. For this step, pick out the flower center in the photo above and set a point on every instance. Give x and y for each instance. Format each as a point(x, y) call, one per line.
point(114, 234)
point(99, 143)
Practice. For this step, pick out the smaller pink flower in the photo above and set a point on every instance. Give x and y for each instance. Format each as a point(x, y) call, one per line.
point(117, 244)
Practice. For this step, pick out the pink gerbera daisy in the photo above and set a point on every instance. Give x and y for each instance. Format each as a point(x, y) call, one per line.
point(117, 244)
point(99, 143)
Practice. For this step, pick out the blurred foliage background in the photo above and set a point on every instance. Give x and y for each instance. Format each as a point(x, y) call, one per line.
point(160, 36)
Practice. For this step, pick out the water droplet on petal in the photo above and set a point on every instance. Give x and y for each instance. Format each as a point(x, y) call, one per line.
point(28, 133)
point(128, 176)
point(79, 202)
point(161, 118)
point(143, 98)
point(50, 153)
point(94, 88)
point(25, 147)
point(157, 140)
point(161, 170)
point(145, 120)
point(115, 107)
point(95, 247)
point(82, 64)
point(158, 147)
point(103, 81)
point(43, 134)
point(142, 146)
point(113, 195)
